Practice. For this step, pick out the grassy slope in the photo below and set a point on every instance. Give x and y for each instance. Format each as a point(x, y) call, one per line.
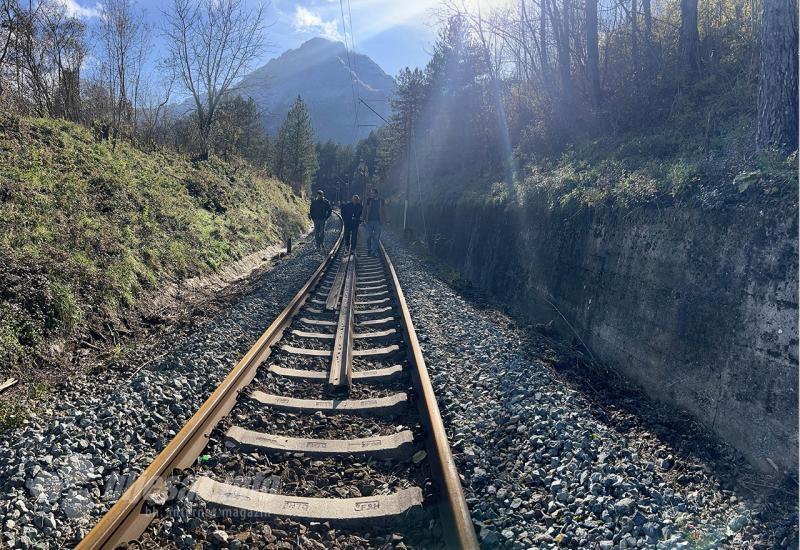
point(86, 229)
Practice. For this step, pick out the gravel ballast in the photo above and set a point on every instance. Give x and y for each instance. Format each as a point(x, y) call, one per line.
point(548, 463)
point(63, 468)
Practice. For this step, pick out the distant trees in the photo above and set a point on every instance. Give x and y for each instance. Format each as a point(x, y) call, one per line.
point(295, 153)
point(212, 43)
point(335, 169)
point(43, 48)
point(127, 92)
point(123, 39)
point(458, 128)
point(578, 73)
point(239, 131)
point(777, 95)
point(410, 96)
point(504, 88)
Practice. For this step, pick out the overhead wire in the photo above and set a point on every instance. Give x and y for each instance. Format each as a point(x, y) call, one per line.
point(350, 64)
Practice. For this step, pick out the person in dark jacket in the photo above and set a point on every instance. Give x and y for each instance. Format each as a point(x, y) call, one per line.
point(374, 217)
point(351, 218)
point(319, 213)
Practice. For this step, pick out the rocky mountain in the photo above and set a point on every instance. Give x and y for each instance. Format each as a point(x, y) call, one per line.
point(319, 72)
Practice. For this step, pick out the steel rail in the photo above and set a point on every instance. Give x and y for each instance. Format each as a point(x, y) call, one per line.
point(341, 369)
point(457, 524)
point(127, 520)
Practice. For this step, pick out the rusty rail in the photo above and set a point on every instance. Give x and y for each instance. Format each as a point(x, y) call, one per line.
point(456, 520)
point(126, 520)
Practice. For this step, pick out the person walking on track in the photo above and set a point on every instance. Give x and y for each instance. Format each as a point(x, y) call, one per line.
point(319, 213)
point(351, 218)
point(374, 217)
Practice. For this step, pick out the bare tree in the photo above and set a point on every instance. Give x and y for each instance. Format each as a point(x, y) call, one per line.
point(634, 16)
point(543, 57)
point(124, 38)
point(154, 117)
point(647, 11)
point(46, 50)
point(211, 44)
point(560, 19)
point(777, 94)
point(7, 9)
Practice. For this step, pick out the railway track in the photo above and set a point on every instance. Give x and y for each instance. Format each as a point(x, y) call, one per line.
point(325, 434)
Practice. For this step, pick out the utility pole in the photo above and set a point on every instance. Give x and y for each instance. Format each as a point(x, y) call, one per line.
point(342, 197)
point(408, 175)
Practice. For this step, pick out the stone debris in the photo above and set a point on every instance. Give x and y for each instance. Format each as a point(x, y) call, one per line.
point(545, 466)
point(62, 470)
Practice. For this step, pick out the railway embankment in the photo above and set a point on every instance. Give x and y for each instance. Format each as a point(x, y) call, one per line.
point(696, 305)
point(102, 240)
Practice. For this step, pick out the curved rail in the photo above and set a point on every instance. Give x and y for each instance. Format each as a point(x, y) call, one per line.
point(458, 528)
point(129, 517)
point(126, 520)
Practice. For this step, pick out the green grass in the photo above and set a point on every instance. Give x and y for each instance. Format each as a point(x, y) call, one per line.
point(686, 145)
point(665, 167)
point(87, 229)
point(14, 412)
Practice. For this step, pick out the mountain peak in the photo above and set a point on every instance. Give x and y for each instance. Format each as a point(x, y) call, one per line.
point(320, 72)
point(319, 42)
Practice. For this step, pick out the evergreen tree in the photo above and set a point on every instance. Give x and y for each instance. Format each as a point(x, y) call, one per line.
point(407, 103)
point(295, 154)
point(239, 130)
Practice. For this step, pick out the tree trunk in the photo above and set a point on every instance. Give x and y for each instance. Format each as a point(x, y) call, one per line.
point(561, 29)
point(635, 37)
point(648, 21)
point(689, 44)
point(592, 53)
point(543, 60)
point(777, 92)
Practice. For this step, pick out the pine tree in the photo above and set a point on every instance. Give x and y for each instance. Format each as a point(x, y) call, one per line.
point(295, 153)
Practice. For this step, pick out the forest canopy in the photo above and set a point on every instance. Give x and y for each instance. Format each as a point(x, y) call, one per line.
point(591, 101)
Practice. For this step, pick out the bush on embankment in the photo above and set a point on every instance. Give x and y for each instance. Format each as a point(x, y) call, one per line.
point(87, 228)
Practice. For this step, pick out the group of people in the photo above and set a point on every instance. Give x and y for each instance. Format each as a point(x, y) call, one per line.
point(353, 214)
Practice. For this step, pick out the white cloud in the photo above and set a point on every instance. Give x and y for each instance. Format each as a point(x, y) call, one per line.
point(306, 20)
point(76, 10)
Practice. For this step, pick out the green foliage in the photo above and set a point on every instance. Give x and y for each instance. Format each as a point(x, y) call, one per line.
point(85, 231)
point(670, 163)
point(66, 310)
point(335, 168)
point(295, 154)
point(15, 412)
point(239, 131)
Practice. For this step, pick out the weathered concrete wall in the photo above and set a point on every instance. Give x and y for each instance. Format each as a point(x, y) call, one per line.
point(698, 307)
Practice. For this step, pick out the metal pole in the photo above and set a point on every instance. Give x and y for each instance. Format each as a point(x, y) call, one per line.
point(408, 175)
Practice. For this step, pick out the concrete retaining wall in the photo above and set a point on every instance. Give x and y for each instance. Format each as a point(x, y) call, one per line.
point(698, 307)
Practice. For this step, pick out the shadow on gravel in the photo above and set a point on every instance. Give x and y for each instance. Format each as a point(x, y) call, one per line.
point(684, 449)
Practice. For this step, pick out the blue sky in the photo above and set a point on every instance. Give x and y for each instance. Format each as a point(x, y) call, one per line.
point(394, 33)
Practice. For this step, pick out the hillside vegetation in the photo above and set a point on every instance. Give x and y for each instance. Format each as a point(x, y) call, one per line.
point(592, 104)
point(86, 228)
